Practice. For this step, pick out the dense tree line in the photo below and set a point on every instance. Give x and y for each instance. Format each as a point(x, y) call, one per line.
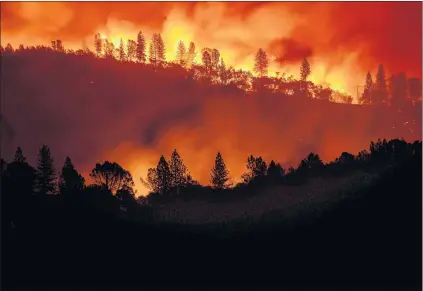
point(112, 185)
point(396, 91)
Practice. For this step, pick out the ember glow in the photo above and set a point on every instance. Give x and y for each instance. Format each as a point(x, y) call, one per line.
point(342, 41)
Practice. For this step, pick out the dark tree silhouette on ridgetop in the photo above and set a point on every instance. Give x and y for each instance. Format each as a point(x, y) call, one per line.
point(19, 157)
point(305, 70)
point(163, 176)
point(219, 174)
point(261, 63)
point(366, 97)
point(45, 182)
point(111, 176)
point(178, 171)
point(380, 87)
point(157, 50)
point(275, 172)
point(256, 167)
point(141, 48)
point(70, 180)
point(181, 53)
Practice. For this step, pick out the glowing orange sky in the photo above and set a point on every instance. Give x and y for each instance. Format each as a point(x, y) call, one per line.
point(342, 40)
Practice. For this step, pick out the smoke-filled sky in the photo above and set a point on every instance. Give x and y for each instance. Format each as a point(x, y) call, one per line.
point(342, 40)
point(93, 112)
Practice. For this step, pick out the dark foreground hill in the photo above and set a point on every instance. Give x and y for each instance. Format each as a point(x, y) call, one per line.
point(370, 243)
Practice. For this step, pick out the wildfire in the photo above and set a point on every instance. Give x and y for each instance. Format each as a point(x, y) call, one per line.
point(339, 51)
point(207, 25)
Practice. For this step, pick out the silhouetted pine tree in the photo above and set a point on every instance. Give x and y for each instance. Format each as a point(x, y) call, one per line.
point(98, 44)
point(261, 63)
point(178, 171)
point(163, 176)
point(45, 173)
point(70, 180)
point(215, 58)
point(19, 157)
point(152, 54)
point(157, 50)
point(181, 53)
point(21, 175)
point(219, 174)
point(223, 73)
point(122, 54)
point(305, 70)
point(256, 168)
point(275, 172)
point(366, 97)
point(141, 48)
point(381, 89)
point(191, 54)
point(206, 59)
point(109, 50)
point(132, 50)
point(161, 50)
point(312, 164)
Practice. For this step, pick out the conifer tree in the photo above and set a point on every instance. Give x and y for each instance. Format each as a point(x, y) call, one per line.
point(207, 60)
point(191, 54)
point(109, 50)
point(157, 50)
point(132, 50)
point(181, 53)
point(261, 63)
point(223, 73)
point(122, 54)
point(141, 48)
point(152, 53)
point(45, 173)
point(98, 44)
point(19, 157)
point(275, 172)
point(219, 174)
point(70, 179)
point(366, 97)
point(215, 58)
point(161, 50)
point(20, 176)
point(178, 171)
point(163, 175)
point(381, 89)
point(305, 70)
point(256, 168)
